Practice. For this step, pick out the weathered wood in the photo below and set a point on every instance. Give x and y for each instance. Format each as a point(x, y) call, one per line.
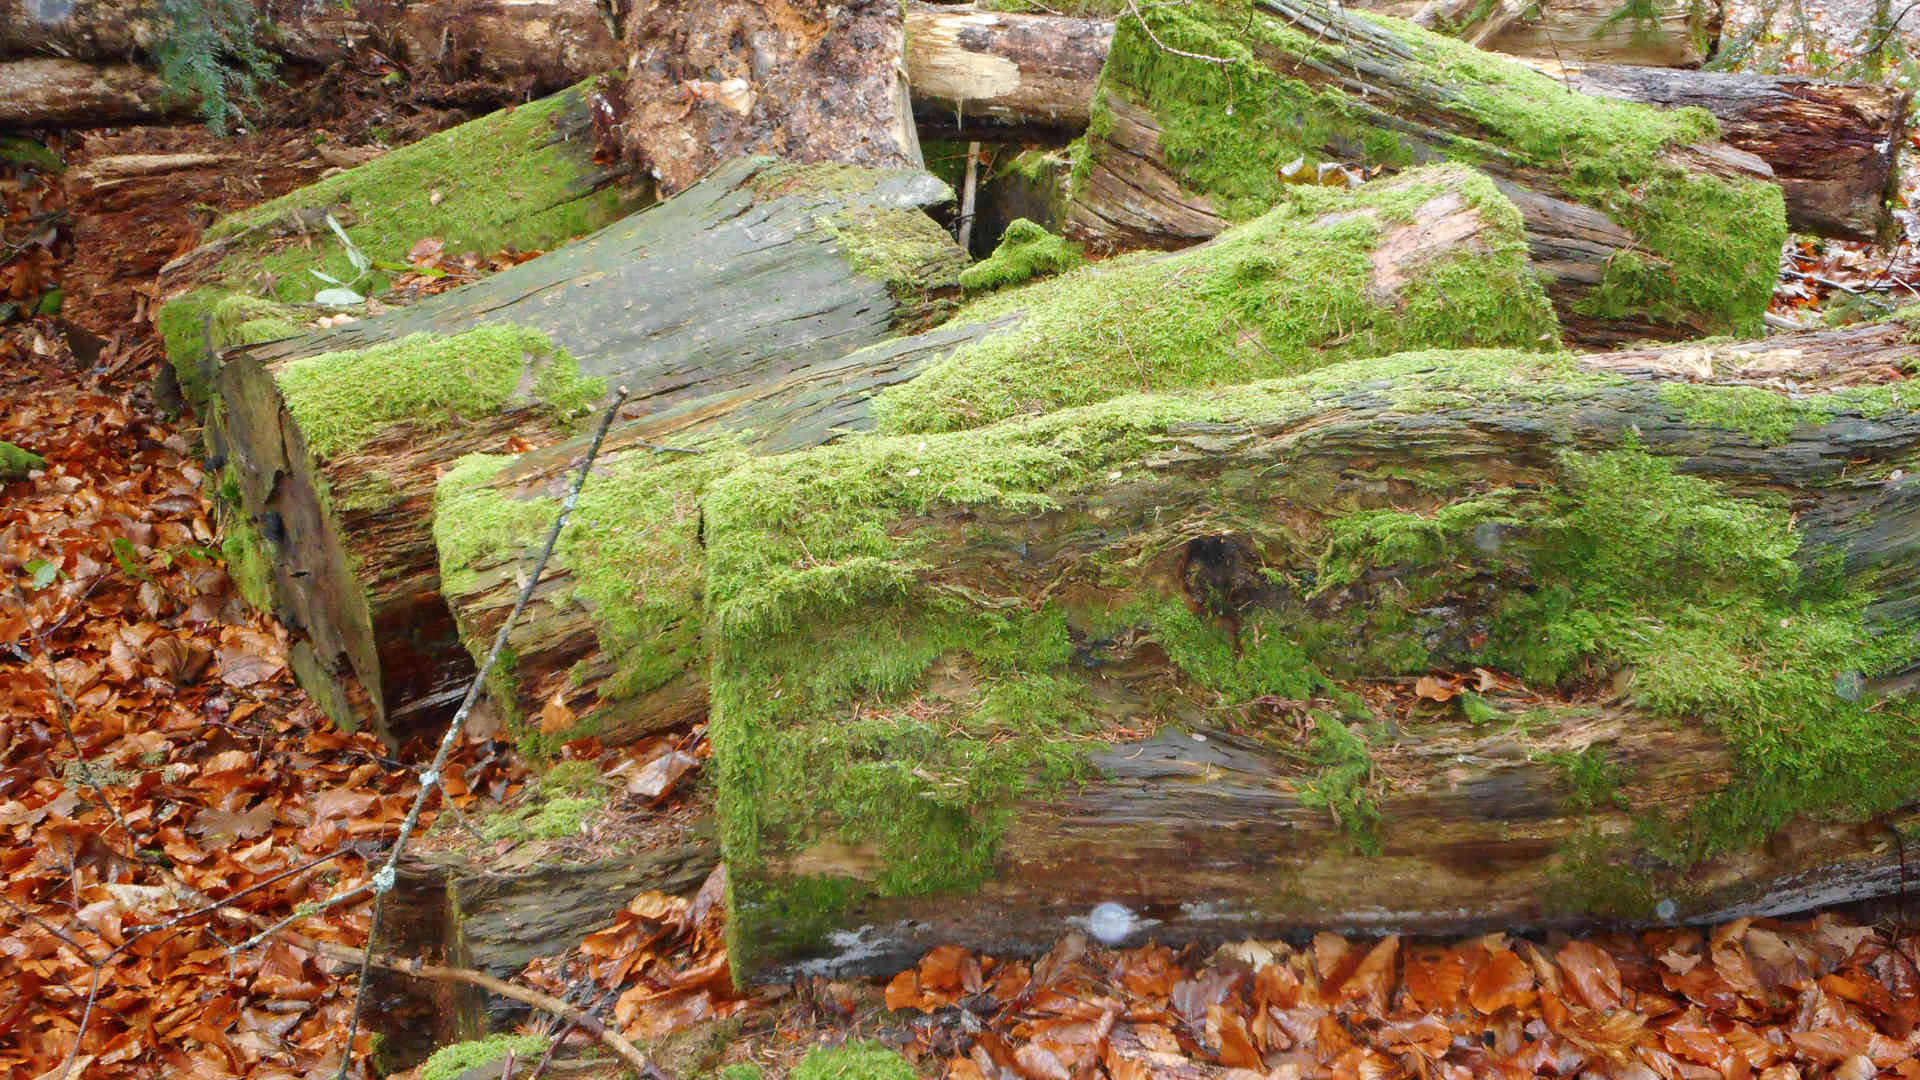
point(759, 269)
point(75, 29)
point(615, 637)
point(808, 81)
point(1833, 147)
point(1683, 36)
point(1323, 85)
point(1227, 574)
point(50, 93)
point(1030, 70)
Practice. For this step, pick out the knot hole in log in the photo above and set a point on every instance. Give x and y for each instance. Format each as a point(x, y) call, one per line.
point(1222, 578)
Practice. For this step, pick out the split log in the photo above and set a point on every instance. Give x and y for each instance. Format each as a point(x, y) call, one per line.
point(1833, 147)
point(1210, 114)
point(1176, 654)
point(48, 93)
point(337, 436)
point(808, 81)
point(1683, 35)
point(613, 635)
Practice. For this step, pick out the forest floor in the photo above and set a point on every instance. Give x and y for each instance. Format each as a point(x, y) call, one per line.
point(166, 792)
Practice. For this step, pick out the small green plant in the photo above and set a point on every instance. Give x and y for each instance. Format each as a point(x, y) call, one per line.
point(1341, 786)
point(1591, 777)
point(211, 50)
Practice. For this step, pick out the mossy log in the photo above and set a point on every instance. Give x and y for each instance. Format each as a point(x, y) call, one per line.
point(1642, 224)
point(337, 437)
point(1833, 147)
point(1430, 258)
point(1681, 35)
point(522, 178)
point(1164, 652)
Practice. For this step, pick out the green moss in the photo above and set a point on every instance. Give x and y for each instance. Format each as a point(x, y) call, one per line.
point(947, 160)
point(1592, 779)
point(1288, 292)
point(741, 1071)
point(1229, 130)
point(341, 399)
point(20, 150)
point(547, 818)
point(189, 322)
point(1595, 876)
point(448, 1062)
point(1766, 415)
point(509, 179)
point(898, 246)
point(1342, 786)
point(249, 560)
point(855, 1061)
point(1026, 252)
point(16, 463)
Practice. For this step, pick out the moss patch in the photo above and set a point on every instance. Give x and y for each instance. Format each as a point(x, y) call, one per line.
point(1026, 252)
point(341, 399)
point(855, 1061)
point(448, 1062)
point(509, 179)
point(1292, 290)
point(190, 322)
point(1709, 247)
point(16, 463)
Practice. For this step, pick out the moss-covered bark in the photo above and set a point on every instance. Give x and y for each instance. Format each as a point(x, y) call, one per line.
point(339, 435)
point(939, 663)
point(1434, 257)
point(1220, 100)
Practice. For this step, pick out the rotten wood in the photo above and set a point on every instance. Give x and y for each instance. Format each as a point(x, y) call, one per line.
point(52, 93)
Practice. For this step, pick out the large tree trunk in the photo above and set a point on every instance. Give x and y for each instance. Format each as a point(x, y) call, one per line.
point(1213, 115)
point(758, 269)
point(807, 81)
point(1833, 147)
point(1177, 654)
point(613, 637)
point(49, 93)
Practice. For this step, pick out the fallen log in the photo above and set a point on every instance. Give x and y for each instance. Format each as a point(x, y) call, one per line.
point(1588, 31)
point(612, 639)
point(50, 93)
point(1833, 147)
point(1178, 654)
point(335, 438)
point(1210, 112)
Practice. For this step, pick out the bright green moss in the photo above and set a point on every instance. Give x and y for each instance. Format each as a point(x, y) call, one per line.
point(1343, 784)
point(1766, 415)
point(1026, 252)
point(741, 1071)
point(249, 561)
point(1229, 131)
point(898, 246)
point(448, 1062)
point(189, 322)
point(1592, 779)
point(1293, 290)
point(509, 179)
point(855, 1061)
point(20, 150)
point(547, 818)
point(1595, 877)
point(341, 399)
point(16, 463)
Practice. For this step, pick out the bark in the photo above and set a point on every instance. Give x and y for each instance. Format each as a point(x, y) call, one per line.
point(1211, 828)
point(810, 81)
point(1833, 147)
point(82, 30)
point(755, 271)
point(1582, 30)
point(563, 646)
point(49, 93)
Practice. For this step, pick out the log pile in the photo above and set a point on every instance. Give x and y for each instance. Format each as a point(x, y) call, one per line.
point(1277, 570)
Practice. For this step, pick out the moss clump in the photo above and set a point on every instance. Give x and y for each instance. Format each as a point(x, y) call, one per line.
point(190, 322)
point(1291, 291)
point(1593, 877)
point(16, 463)
point(898, 246)
point(1710, 245)
point(20, 150)
point(1592, 779)
point(1768, 416)
point(249, 561)
point(342, 399)
point(510, 179)
point(741, 1071)
point(448, 1062)
point(547, 818)
point(866, 1060)
point(1026, 252)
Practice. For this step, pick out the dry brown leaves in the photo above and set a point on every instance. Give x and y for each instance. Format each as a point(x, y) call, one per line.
point(1755, 998)
point(153, 754)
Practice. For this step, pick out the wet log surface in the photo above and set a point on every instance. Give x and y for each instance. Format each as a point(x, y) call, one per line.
point(728, 284)
point(1206, 830)
point(1590, 31)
